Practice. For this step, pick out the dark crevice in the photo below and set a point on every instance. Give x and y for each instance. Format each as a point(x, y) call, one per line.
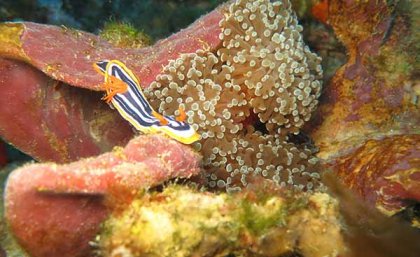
point(255, 122)
point(288, 254)
point(259, 126)
point(410, 213)
point(291, 254)
point(303, 140)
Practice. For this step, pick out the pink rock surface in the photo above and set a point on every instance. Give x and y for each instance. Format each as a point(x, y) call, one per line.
point(368, 120)
point(55, 210)
point(51, 121)
point(384, 172)
point(67, 55)
point(372, 94)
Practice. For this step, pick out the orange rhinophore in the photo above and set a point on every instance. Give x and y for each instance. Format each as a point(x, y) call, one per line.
point(182, 115)
point(112, 86)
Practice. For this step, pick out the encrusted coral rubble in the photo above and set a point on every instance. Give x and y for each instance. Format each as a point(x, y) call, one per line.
point(245, 97)
point(182, 222)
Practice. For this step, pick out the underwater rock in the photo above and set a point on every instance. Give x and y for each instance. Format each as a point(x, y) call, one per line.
point(385, 172)
point(320, 11)
point(124, 35)
point(67, 54)
point(373, 94)
point(183, 222)
point(55, 210)
point(368, 232)
point(51, 121)
point(371, 100)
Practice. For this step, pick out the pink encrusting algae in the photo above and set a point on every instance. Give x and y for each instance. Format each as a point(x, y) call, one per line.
point(50, 117)
point(63, 204)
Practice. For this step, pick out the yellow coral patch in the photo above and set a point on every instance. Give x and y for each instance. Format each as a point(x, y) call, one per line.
point(10, 43)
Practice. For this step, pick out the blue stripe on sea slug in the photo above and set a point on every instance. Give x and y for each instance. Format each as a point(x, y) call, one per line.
point(123, 91)
point(117, 72)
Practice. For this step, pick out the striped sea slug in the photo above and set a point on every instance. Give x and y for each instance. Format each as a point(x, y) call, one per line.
point(245, 97)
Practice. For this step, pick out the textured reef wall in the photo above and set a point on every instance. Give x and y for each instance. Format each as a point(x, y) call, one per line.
point(376, 92)
point(64, 204)
point(255, 224)
point(368, 122)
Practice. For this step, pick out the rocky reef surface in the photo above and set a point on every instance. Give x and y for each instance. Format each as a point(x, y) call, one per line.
point(63, 204)
point(184, 222)
point(251, 87)
point(368, 121)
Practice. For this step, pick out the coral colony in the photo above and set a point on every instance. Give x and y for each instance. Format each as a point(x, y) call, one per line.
point(261, 84)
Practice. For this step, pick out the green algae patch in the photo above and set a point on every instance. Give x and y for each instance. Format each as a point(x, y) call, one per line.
point(258, 218)
point(125, 35)
point(393, 65)
point(180, 221)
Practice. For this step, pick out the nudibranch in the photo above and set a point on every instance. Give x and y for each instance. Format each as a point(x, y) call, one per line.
point(123, 91)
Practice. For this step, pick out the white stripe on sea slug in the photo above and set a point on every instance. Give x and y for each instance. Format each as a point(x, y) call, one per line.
point(134, 107)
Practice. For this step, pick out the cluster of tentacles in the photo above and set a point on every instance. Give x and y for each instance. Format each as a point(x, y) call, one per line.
point(260, 85)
